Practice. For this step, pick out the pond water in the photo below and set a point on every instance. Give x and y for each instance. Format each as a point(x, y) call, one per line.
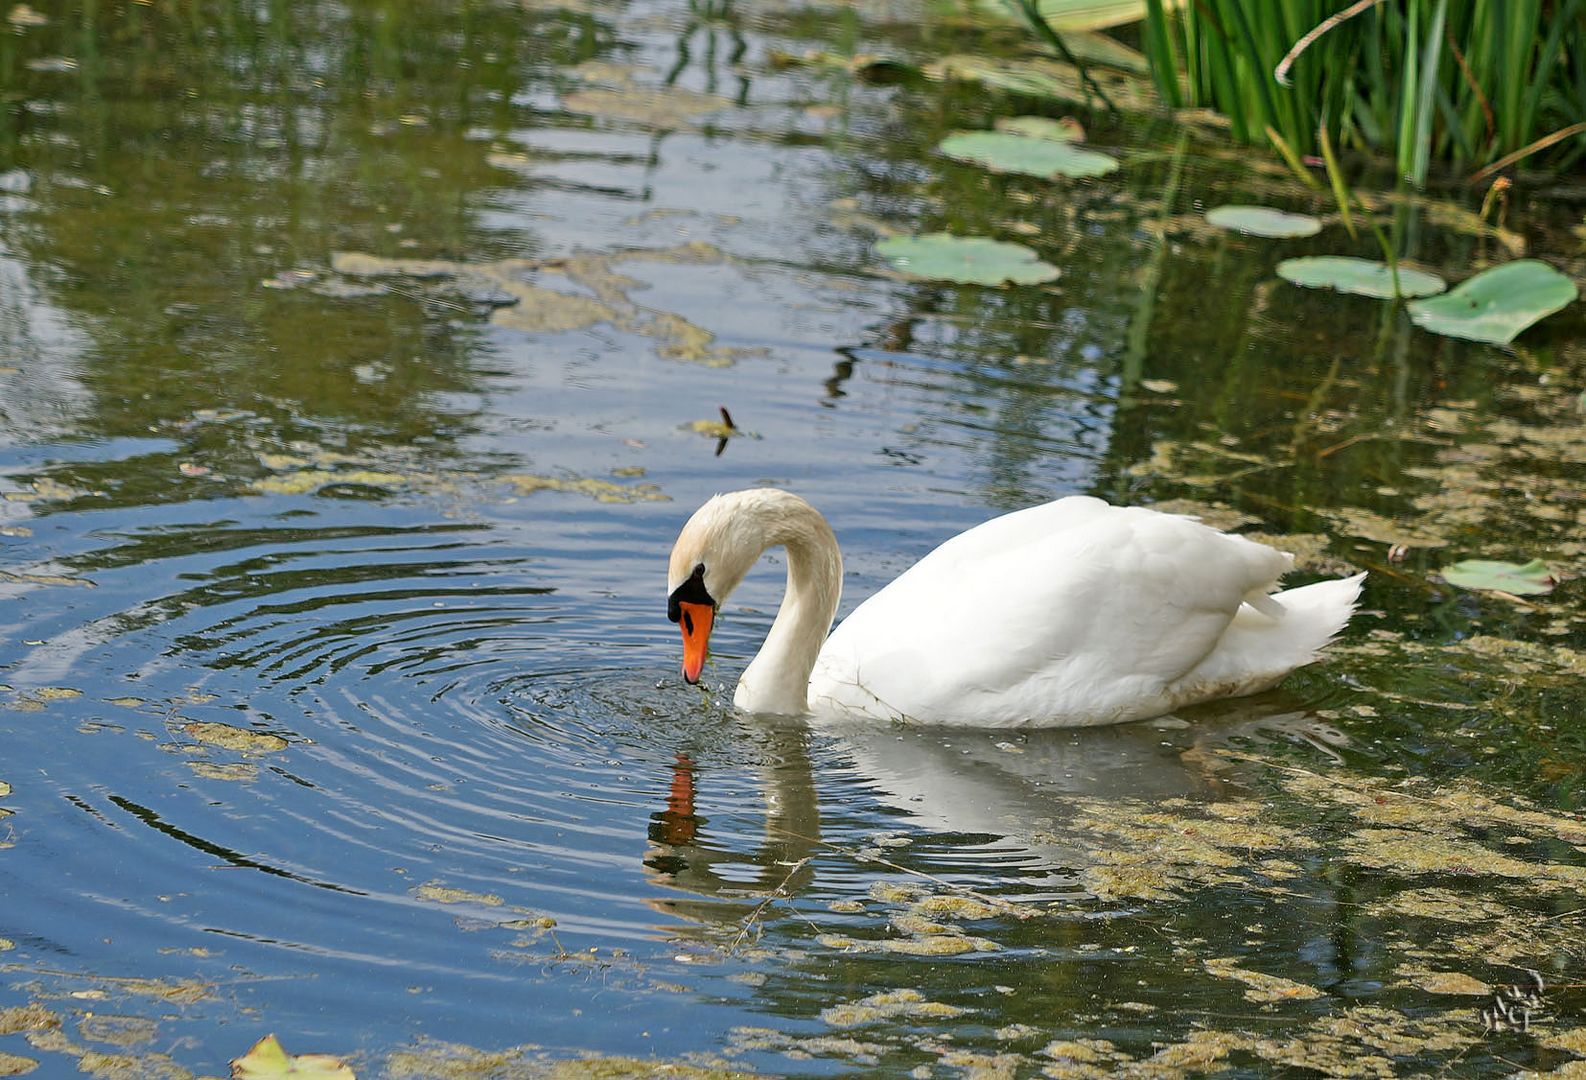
point(353, 359)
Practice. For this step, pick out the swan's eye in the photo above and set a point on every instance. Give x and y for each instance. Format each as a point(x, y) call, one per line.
point(692, 591)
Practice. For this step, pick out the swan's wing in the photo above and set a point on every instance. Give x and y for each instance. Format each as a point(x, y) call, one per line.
point(1074, 606)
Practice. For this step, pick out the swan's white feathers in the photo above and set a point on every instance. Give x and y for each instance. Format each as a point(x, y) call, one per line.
point(1072, 608)
point(1072, 613)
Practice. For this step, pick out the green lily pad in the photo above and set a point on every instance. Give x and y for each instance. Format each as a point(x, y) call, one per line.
point(970, 260)
point(1497, 304)
point(1002, 151)
point(1041, 127)
point(1263, 221)
point(1361, 276)
point(268, 1061)
point(1530, 579)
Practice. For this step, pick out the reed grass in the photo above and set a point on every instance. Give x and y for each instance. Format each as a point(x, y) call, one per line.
point(1459, 84)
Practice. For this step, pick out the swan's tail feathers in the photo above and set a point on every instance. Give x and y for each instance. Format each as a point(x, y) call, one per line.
point(1258, 649)
point(1314, 614)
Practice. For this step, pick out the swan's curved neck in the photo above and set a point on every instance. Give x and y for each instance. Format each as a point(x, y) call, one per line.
point(777, 680)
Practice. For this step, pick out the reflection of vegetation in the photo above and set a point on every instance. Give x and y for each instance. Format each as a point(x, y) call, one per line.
point(314, 130)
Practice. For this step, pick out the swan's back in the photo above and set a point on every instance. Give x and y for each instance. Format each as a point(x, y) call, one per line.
point(1072, 613)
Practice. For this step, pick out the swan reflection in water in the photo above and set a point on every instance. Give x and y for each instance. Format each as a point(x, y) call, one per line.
point(1013, 789)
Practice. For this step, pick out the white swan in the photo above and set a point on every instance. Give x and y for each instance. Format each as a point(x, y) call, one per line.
point(1069, 614)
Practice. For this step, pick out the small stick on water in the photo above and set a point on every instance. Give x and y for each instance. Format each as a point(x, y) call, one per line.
point(1007, 907)
point(778, 893)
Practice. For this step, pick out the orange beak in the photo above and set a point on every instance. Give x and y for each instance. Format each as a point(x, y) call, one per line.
point(695, 621)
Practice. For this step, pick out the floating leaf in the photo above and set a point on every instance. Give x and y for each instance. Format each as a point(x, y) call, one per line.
point(1042, 127)
point(1041, 77)
point(268, 1061)
point(1530, 579)
point(973, 260)
point(1263, 221)
point(1002, 151)
point(1361, 276)
point(1497, 304)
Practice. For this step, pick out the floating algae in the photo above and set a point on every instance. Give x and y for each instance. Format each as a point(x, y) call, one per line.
point(16, 1064)
point(889, 1005)
point(228, 737)
point(954, 906)
point(30, 1017)
point(1152, 855)
point(1435, 903)
point(1408, 852)
point(537, 309)
point(125, 1031)
point(308, 481)
point(947, 944)
point(604, 491)
point(1573, 1040)
point(441, 894)
point(1262, 987)
point(1446, 982)
point(232, 771)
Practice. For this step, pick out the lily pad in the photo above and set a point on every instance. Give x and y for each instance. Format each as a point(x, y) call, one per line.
point(1002, 151)
point(1043, 127)
point(1497, 304)
point(1360, 276)
point(1529, 579)
point(268, 1061)
point(1263, 221)
point(970, 260)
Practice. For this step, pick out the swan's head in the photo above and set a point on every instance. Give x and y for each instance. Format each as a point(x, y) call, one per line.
point(712, 555)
